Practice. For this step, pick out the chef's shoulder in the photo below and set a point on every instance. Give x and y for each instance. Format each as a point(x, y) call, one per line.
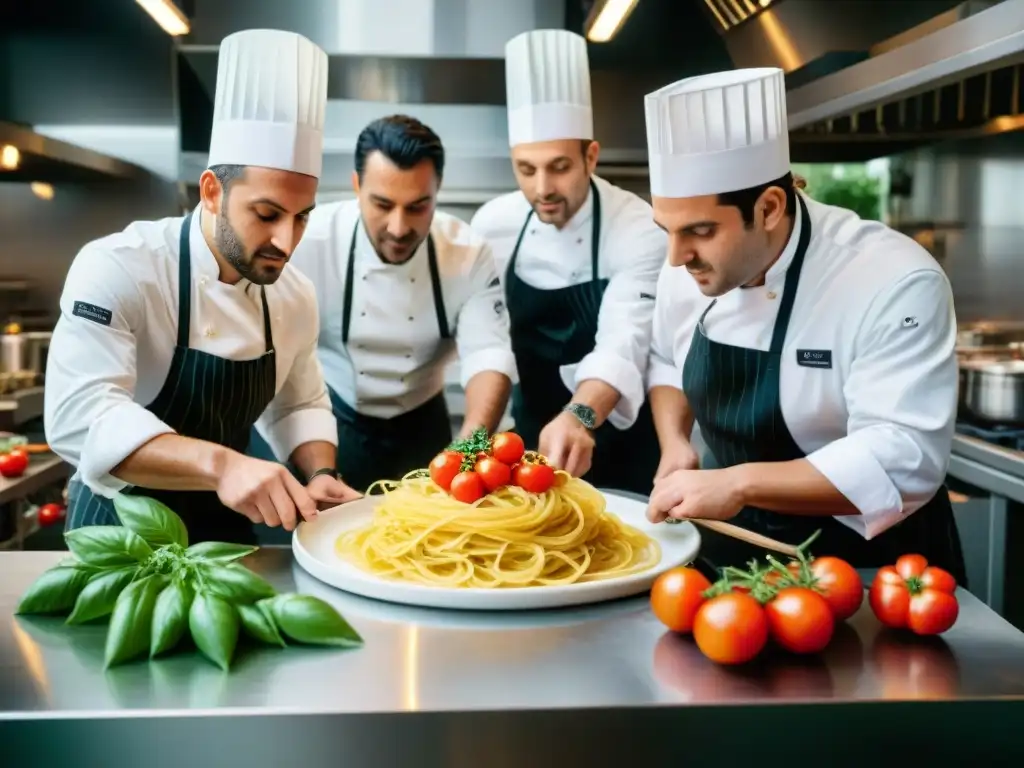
point(460, 247)
point(501, 218)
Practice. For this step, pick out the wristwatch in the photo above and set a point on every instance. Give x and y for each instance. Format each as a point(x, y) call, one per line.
point(586, 415)
point(333, 472)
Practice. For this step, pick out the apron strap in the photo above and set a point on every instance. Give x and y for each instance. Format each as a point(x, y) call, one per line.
point(792, 280)
point(184, 281)
point(268, 334)
point(435, 284)
point(350, 273)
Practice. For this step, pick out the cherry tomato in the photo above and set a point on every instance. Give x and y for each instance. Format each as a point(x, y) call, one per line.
point(731, 628)
point(48, 514)
point(915, 596)
point(840, 585)
point(535, 478)
point(507, 447)
point(13, 464)
point(493, 473)
point(468, 487)
point(676, 596)
point(444, 467)
point(800, 620)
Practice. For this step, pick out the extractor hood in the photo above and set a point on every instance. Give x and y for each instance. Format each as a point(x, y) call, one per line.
point(42, 159)
point(873, 77)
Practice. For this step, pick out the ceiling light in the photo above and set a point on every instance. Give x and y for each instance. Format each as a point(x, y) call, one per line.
point(167, 15)
point(10, 157)
point(606, 19)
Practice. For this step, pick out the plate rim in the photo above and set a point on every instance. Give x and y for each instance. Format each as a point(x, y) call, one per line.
point(470, 598)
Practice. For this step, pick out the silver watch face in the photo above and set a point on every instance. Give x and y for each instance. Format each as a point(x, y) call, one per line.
point(582, 412)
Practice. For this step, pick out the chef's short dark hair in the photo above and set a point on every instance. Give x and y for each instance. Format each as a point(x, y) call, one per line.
point(746, 199)
point(227, 174)
point(403, 140)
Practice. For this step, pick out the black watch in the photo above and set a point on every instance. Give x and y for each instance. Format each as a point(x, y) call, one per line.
point(586, 415)
point(332, 471)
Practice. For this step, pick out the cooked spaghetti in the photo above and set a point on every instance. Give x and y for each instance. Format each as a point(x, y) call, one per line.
point(508, 538)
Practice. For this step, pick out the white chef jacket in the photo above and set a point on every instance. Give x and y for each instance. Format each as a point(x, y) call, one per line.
point(99, 378)
point(395, 359)
point(879, 422)
point(632, 251)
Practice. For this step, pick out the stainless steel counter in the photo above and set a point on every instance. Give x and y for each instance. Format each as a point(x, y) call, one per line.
point(446, 688)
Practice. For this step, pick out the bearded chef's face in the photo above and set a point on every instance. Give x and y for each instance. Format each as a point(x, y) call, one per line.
point(397, 204)
point(717, 247)
point(555, 176)
point(259, 216)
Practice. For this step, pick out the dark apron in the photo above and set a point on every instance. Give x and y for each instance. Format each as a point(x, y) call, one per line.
point(204, 397)
point(552, 328)
point(370, 448)
point(734, 394)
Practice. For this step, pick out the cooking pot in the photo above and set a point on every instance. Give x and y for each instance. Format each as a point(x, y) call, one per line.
point(993, 391)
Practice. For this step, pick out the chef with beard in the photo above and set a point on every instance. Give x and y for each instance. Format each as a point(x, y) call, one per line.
point(404, 290)
point(579, 258)
point(815, 350)
point(177, 336)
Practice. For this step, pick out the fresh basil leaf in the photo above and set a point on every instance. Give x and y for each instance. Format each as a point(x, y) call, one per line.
point(258, 625)
point(170, 617)
point(309, 619)
point(235, 583)
point(155, 522)
point(218, 551)
point(214, 626)
point(108, 546)
point(55, 591)
point(130, 623)
point(100, 594)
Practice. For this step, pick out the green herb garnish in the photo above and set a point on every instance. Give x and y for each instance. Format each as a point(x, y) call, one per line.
point(470, 447)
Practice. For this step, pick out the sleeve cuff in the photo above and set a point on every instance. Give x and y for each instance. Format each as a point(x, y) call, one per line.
point(113, 438)
point(663, 374)
point(615, 372)
point(499, 360)
point(300, 427)
point(858, 475)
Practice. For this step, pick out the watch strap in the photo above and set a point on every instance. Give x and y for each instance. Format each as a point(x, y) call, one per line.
point(332, 471)
point(584, 413)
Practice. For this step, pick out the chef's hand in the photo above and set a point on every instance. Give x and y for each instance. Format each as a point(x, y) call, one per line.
point(678, 455)
point(264, 491)
point(328, 491)
point(709, 494)
point(567, 444)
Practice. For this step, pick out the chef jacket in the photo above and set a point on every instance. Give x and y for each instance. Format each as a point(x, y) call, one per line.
point(868, 381)
point(632, 251)
point(113, 343)
point(395, 359)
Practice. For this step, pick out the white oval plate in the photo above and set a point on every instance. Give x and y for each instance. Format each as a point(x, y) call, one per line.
point(313, 546)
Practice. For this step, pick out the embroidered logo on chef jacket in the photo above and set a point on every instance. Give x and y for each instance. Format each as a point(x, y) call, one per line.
point(814, 358)
point(92, 312)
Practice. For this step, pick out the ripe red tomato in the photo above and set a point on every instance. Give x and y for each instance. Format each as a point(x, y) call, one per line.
point(444, 467)
point(840, 585)
point(731, 628)
point(493, 473)
point(800, 620)
point(467, 487)
point(13, 464)
point(507, 447)
point(677, 595)
point(535, 478)
point(48, 514)
point(923, 601)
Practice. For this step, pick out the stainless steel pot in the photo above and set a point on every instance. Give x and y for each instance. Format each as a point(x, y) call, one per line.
point(994, 391)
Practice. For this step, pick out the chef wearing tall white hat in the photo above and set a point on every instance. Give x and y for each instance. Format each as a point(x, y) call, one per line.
point(580, 259)
point(815, 350)
point(403, 289)
point(176, 336)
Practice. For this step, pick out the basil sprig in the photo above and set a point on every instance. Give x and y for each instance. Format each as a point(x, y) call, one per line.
point(155, 589)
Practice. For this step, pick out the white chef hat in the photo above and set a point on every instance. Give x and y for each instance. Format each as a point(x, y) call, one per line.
point(547, 79)
point(717, 133)
point(269, 106)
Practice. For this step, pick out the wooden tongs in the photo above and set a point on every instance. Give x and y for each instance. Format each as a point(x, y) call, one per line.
point(741, 534)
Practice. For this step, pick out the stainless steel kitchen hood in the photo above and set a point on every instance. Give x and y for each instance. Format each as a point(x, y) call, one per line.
point(42, 159)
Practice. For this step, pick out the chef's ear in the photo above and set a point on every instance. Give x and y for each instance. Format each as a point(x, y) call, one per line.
point(210, 192)
point(773, 207)
point(592, 152)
